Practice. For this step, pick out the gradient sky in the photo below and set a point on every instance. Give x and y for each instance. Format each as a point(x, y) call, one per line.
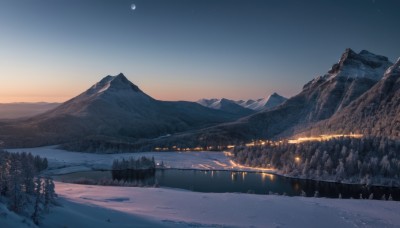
point(52, 50)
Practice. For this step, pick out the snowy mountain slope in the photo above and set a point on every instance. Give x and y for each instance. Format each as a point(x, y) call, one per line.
point(265, 103)
point(362, 65)
point(319, 100)
point(113, 107)
point(374, 113)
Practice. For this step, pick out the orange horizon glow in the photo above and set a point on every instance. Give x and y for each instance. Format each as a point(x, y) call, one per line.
point(8, 100)
point(158, 91)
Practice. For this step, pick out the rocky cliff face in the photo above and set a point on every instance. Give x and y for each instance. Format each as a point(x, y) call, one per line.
point(374, 113)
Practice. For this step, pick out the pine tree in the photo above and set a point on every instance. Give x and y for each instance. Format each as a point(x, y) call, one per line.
point(49, 193)
point(38, 201)
point(15, 192)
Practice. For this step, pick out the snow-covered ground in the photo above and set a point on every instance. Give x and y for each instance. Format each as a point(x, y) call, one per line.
point(61, 161)
point(9, 219)
point(105, 206)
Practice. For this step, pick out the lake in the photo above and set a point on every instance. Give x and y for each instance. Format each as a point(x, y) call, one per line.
point(231, 181)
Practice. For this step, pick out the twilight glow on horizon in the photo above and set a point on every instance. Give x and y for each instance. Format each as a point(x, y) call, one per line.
point(184, 49)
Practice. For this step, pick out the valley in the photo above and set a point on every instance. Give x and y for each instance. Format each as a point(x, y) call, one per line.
point(169, 207)
point(199, 114)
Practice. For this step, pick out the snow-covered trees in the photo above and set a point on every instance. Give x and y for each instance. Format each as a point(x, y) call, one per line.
point(372, 160)
point(37, 209)
point(142, 163)
point(44, 197)
point(48, 193)
point(19, 189)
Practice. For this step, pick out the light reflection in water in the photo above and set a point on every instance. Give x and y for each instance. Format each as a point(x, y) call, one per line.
point(234, 176)
point(265, 175)
point(244, 175)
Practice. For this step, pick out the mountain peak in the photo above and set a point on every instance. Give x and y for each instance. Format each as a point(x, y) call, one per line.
point(120, 75)
point(274, 100)
point(275, 95)
point(394, 69)
point(122, 78)
point(113, 83)
point(348, 52)
point(362, 65)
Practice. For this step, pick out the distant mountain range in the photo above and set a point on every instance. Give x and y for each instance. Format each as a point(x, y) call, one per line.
point(225, 105)
point(353, 96)
point(266, 103)
point(113, 108)
point(359, 94)
point(18, 110)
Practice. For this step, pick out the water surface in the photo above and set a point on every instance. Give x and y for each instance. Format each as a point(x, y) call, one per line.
point(229, 181)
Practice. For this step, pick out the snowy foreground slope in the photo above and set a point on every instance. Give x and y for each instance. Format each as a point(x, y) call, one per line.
point(105, 206)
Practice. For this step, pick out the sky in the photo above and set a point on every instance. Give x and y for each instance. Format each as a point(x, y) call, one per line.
point(52, 50)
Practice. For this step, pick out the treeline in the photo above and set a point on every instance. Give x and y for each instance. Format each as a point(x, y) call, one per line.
point(142, 163)
point(21, 189)
point(371, 161)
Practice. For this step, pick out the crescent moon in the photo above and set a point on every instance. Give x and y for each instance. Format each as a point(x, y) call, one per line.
point(133, 6)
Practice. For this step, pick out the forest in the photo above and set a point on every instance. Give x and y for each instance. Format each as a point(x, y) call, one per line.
point(22, 189)
point(369, 160)
point(142, 163)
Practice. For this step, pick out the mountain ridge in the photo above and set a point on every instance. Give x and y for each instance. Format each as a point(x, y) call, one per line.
point(269, 102)
point(113, 108)
point(360, 89)
point(375, 113)
point(320, 99)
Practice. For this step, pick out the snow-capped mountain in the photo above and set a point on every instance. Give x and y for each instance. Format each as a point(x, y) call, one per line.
point(209, 103)
point(355, 92)
point(375, 113)
point(362, 65)
point(111, 94)
point(257, 105)
point(352, 76)
point(264, 103)
point(114, 108)
point(320, 99)
point(225, 105)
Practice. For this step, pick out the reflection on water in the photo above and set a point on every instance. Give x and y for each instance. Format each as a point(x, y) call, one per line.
point(133, 175)
point(228, 181)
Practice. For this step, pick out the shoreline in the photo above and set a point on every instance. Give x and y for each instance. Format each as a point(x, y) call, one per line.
point(240, 171)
